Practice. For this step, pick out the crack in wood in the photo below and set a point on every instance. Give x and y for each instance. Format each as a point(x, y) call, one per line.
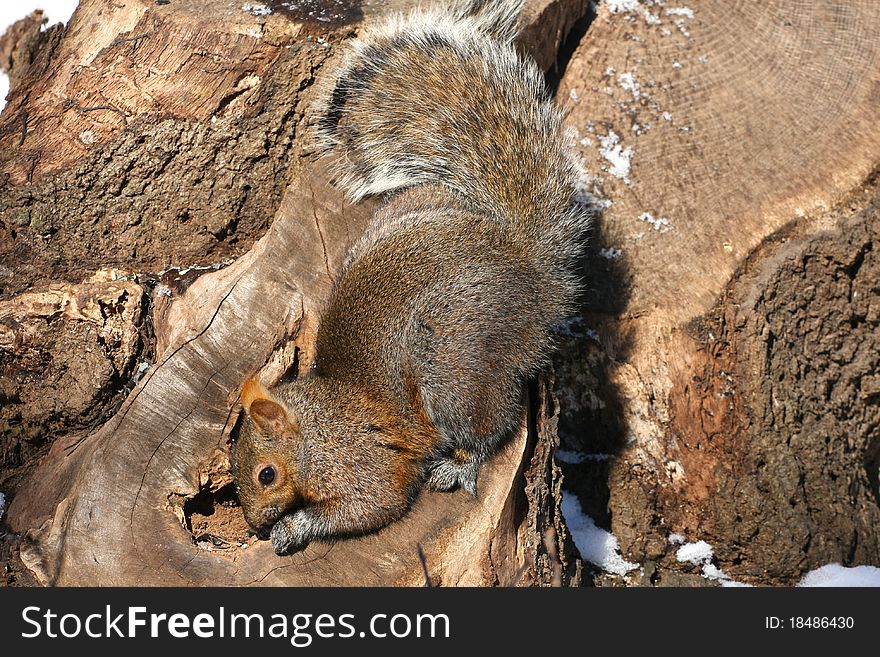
point(321, 235)
point(22, 118)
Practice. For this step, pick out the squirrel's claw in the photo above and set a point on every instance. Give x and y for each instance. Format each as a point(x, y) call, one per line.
point(448, 474)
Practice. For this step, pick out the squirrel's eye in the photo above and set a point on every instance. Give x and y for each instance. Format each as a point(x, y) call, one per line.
point(267, 475)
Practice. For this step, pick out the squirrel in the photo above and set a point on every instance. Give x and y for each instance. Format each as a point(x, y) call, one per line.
point(445, 307)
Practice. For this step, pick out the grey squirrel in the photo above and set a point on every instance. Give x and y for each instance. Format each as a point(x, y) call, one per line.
point(445, 307)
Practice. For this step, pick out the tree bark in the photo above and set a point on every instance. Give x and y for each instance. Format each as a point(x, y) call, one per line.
point(733, 301)
point(157, 135)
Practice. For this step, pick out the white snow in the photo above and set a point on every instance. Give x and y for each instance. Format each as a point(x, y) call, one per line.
point(622, 6)
point(836, 575)
point(2, 505)
point(618, 157)
point(695, 553)
point(700, 554)
point(610, 253)
point(679, 23)
point(595, 544)
point(58, 11)
point(660, 224)
point(635, 7)
point(257, 8)
point(650, 18)
point(628, 83)
point(142, 369)
point(687, 12)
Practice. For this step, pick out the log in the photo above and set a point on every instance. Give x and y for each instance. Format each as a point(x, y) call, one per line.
point(170, 135)
point(731, 364)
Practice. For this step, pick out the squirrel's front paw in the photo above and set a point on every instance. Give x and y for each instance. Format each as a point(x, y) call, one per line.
point(447, 474)
point(288, 536)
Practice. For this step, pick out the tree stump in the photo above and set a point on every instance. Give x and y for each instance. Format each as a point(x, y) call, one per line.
point(733, 293)
point(161, 212)
point(166, 233)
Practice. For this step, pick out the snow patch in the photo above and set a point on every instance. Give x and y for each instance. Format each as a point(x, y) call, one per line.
point(2, 505)
point(142, 368)
point(679, 23)
point(257, 9)
point(695, 553)
point(651, 19)
point(687, 12)
point(587, 186)
point(596, 545)
point(635, 7)
point(700, 554)
point(618, 157)
point(622, 6)
point(836, 575)
point(628, 83)
point(610, 253)
point(660, 224)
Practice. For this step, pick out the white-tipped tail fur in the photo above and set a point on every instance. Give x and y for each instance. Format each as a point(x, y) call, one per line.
point(440, 96)
point(498, 18)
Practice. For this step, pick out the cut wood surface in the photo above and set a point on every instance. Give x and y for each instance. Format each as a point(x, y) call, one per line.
point(203, 112)
point(733, 290)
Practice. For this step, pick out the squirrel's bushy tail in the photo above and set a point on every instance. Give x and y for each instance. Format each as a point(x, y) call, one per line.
point(440, 96)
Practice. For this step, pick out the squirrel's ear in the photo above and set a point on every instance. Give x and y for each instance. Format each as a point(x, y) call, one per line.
point(264, 409)
point(270, 416)
point(252, 390)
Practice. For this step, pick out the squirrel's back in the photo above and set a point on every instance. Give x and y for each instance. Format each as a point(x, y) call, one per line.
point(441, 96)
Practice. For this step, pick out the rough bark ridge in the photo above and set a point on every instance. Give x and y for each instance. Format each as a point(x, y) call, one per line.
point(732, 318)
point(800, 334)
point(150, 136)
point(111, 142)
